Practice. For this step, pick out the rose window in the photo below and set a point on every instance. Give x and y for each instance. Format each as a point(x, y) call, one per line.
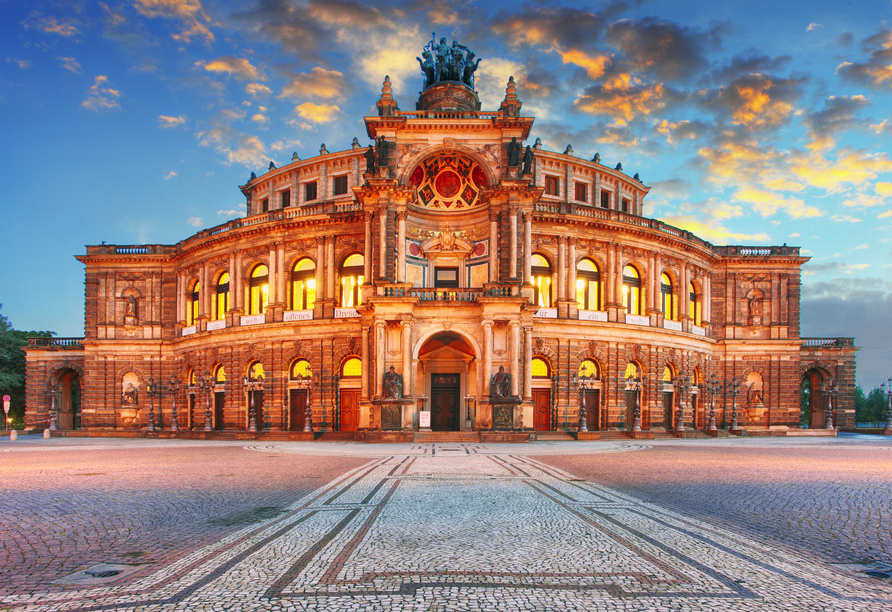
point(448, 182)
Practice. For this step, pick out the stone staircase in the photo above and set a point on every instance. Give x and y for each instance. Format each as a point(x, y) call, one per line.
point(451, 437)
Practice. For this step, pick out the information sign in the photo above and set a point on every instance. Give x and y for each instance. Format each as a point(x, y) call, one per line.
point(424, 419)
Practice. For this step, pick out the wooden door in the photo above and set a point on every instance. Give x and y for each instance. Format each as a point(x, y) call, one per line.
point(349, 409)
point(297, 404)
point(542, 409)
point(592, 399)
point(191, 415)
point(445, 402)
point(219, 404)
point(668, 411)
point(696, 417)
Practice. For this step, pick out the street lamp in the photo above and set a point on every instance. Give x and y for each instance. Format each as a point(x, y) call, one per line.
point(173, 387)
point(153, 389)
point(682, 384)
point(831, 390)
point(887, 430)
point(253, 384)
point(306, 382)
point(52, 389)
point(583, 383)
point(470, 404)
point(206, 384)
point(733, 388)
point(713, 387)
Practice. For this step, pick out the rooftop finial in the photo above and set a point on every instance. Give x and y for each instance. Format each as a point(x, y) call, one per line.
point(386, 105)
point(568, 150)
point(511, 105)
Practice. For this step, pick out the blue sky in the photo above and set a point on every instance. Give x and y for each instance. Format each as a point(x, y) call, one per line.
point(754, 122)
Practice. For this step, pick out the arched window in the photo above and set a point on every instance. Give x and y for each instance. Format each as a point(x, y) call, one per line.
point(351, 367)
point(632, 370)
point(192, 310)
point(190, 377)
point(255, 371)
point(696, 315)
point(351, 278)
point(300, 368)
point(589, 369)
point(541, 272)
point(631, 290)
point(540, 368)
point(303, 285)
point(666, 297)
point(259, 290)
point(220, 375)
point(221, 299)
point(667, 375)
point(588, 284)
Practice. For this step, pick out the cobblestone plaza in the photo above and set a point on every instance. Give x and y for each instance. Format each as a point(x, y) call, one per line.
point(728, 524)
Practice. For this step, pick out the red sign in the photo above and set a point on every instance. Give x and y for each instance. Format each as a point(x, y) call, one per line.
point(5, 398)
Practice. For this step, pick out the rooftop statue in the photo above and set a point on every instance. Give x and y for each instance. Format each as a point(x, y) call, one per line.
point(444, 63)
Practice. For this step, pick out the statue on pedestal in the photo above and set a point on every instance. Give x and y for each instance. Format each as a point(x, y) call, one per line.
point(514, 152)
point(393, 385)
point(500, 385)
point(527, 161)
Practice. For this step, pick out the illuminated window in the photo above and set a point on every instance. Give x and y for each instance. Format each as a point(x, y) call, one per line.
point(539, 368)
point(696, 314)
point(303, 285)
point(588, 284)
point(221, 299)
point(310, 191)
point(255, 371)
point(340, 185)
point(631, 290)
point(581, 192)
point(551, 186)
point(589, 369)
point(352, 366)
point(632, 371)
point(301, 369)
point(667, 375)
point(541, 269)
point(258, 290)
point(190, 378)
point(446, 278)
point(192, 309)
point(351, 278)
point(666, 297)
point(220, 375)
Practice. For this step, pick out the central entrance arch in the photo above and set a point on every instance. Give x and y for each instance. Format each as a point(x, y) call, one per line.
point(447, 373)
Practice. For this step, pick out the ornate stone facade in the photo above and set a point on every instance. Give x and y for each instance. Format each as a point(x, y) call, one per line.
point(435, 256)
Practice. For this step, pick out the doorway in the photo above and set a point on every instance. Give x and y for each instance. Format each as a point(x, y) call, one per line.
point(297, 405)
point(668, 412)
point(219, 404)
point(592, 401)
point(542, 409)
point(445, 406)
point(350, 409)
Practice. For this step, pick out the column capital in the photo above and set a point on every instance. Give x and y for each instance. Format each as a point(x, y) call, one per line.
point(401, 215)
point(513, 324)
point(319, 240)
point(513, 210)
point(493, 216)
point(487, 324)
point(369, 215)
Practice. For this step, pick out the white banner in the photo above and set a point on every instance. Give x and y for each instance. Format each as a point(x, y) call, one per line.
point(298, 315)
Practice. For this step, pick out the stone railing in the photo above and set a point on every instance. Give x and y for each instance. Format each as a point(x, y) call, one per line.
point(757, 251)
point(828, 342)
point(129, 249)
point(50, 343)
point(463, 294)
point(445, 114)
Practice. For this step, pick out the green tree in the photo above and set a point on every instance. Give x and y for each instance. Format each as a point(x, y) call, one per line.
point(12, 365)
point(870, 408)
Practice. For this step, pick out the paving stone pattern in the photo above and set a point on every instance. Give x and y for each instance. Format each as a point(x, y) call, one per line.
point(423, 527)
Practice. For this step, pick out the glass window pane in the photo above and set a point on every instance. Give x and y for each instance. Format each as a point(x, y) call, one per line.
point(588, 369)
point(220, 374)
point(352, 367)
point(580, 293)
point(539, 368)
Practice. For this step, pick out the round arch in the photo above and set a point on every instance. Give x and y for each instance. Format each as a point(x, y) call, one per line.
point(422, 340)
point(456, 149)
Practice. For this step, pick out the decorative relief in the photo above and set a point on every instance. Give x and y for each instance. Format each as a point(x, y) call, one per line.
point(448, 182)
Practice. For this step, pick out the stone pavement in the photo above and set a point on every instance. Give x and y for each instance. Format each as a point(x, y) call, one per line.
point(404, 527)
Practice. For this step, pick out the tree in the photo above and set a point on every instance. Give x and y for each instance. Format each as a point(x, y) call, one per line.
point(12, 365)
point(870, 408)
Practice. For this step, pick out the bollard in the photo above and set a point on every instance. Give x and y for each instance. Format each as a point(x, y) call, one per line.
point(13, 435)
point(46, 434)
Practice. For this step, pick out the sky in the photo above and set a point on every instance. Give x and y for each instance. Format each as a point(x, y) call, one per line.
point(754, 123)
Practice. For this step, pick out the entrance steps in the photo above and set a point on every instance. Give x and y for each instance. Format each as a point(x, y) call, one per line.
point(456, 437)
point(336, 436)
point(553, 436)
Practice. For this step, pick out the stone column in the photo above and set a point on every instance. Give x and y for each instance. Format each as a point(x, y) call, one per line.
point(330, 263)
point(180, 291)
point(320, 269)
point(596, 192)
point(512, 255)
point(513, 350)
point(401, 249)
point(562, 268)
point(527, 247)
point(493, 246)
point(685, 292)
point(294, 192)
point(653, 281)
point(527, 364)
point(618, 276)
point(487, 356)
point(571, 271)
point(408, 388)
point(707, 298)
point(205, 292)
point(379, 357)
point(364, 372)
point(367, 254)
point(273, 275)
point(233, 266)
point(382, 242)
point(239, 289)
point(609, 280)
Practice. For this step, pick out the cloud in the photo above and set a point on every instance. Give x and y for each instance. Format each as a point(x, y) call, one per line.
point(845, 219)
point(667, 50)
point(189, 12)
point(317, 113)
point(20, 63)
point(238, 66)
point(712, 232)
point(886, 214)
point(622, 97)
point(813, 26)
point(229, 213)
point(876, 72)
point(317, 83)
point(844, 40)
point(170, 122)
point(568, 28)
point(838, 114)
point(170, 175)
point(676, 132)
point(766, 203)
point(259, 118)
point(750, 64)
point(194, 221)
point(794, 235)
point(238, 147)
point(50, 25)
point(758, 101)
point(69, 63)
point(100, 96)
point(257, 89)
point(884, 189)
point(594, 66)
point(863, 246)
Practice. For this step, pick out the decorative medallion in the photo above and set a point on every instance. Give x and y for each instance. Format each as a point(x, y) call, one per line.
point(448, 182)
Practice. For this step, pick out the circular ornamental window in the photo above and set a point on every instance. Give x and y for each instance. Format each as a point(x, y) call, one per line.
point(448, 182)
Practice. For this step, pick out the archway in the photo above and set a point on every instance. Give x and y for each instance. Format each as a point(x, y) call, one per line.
point(447, 374)
point(812, 399)
point(68, 407)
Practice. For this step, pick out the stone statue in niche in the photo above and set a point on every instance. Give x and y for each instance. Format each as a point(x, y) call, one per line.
point(754, 307)
point(130, 396)
point(393, 384)
point(370, 160)
point(514, 151)
point(130, 310)
point(500, 384)
point(383, 152)
point(527, 161)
